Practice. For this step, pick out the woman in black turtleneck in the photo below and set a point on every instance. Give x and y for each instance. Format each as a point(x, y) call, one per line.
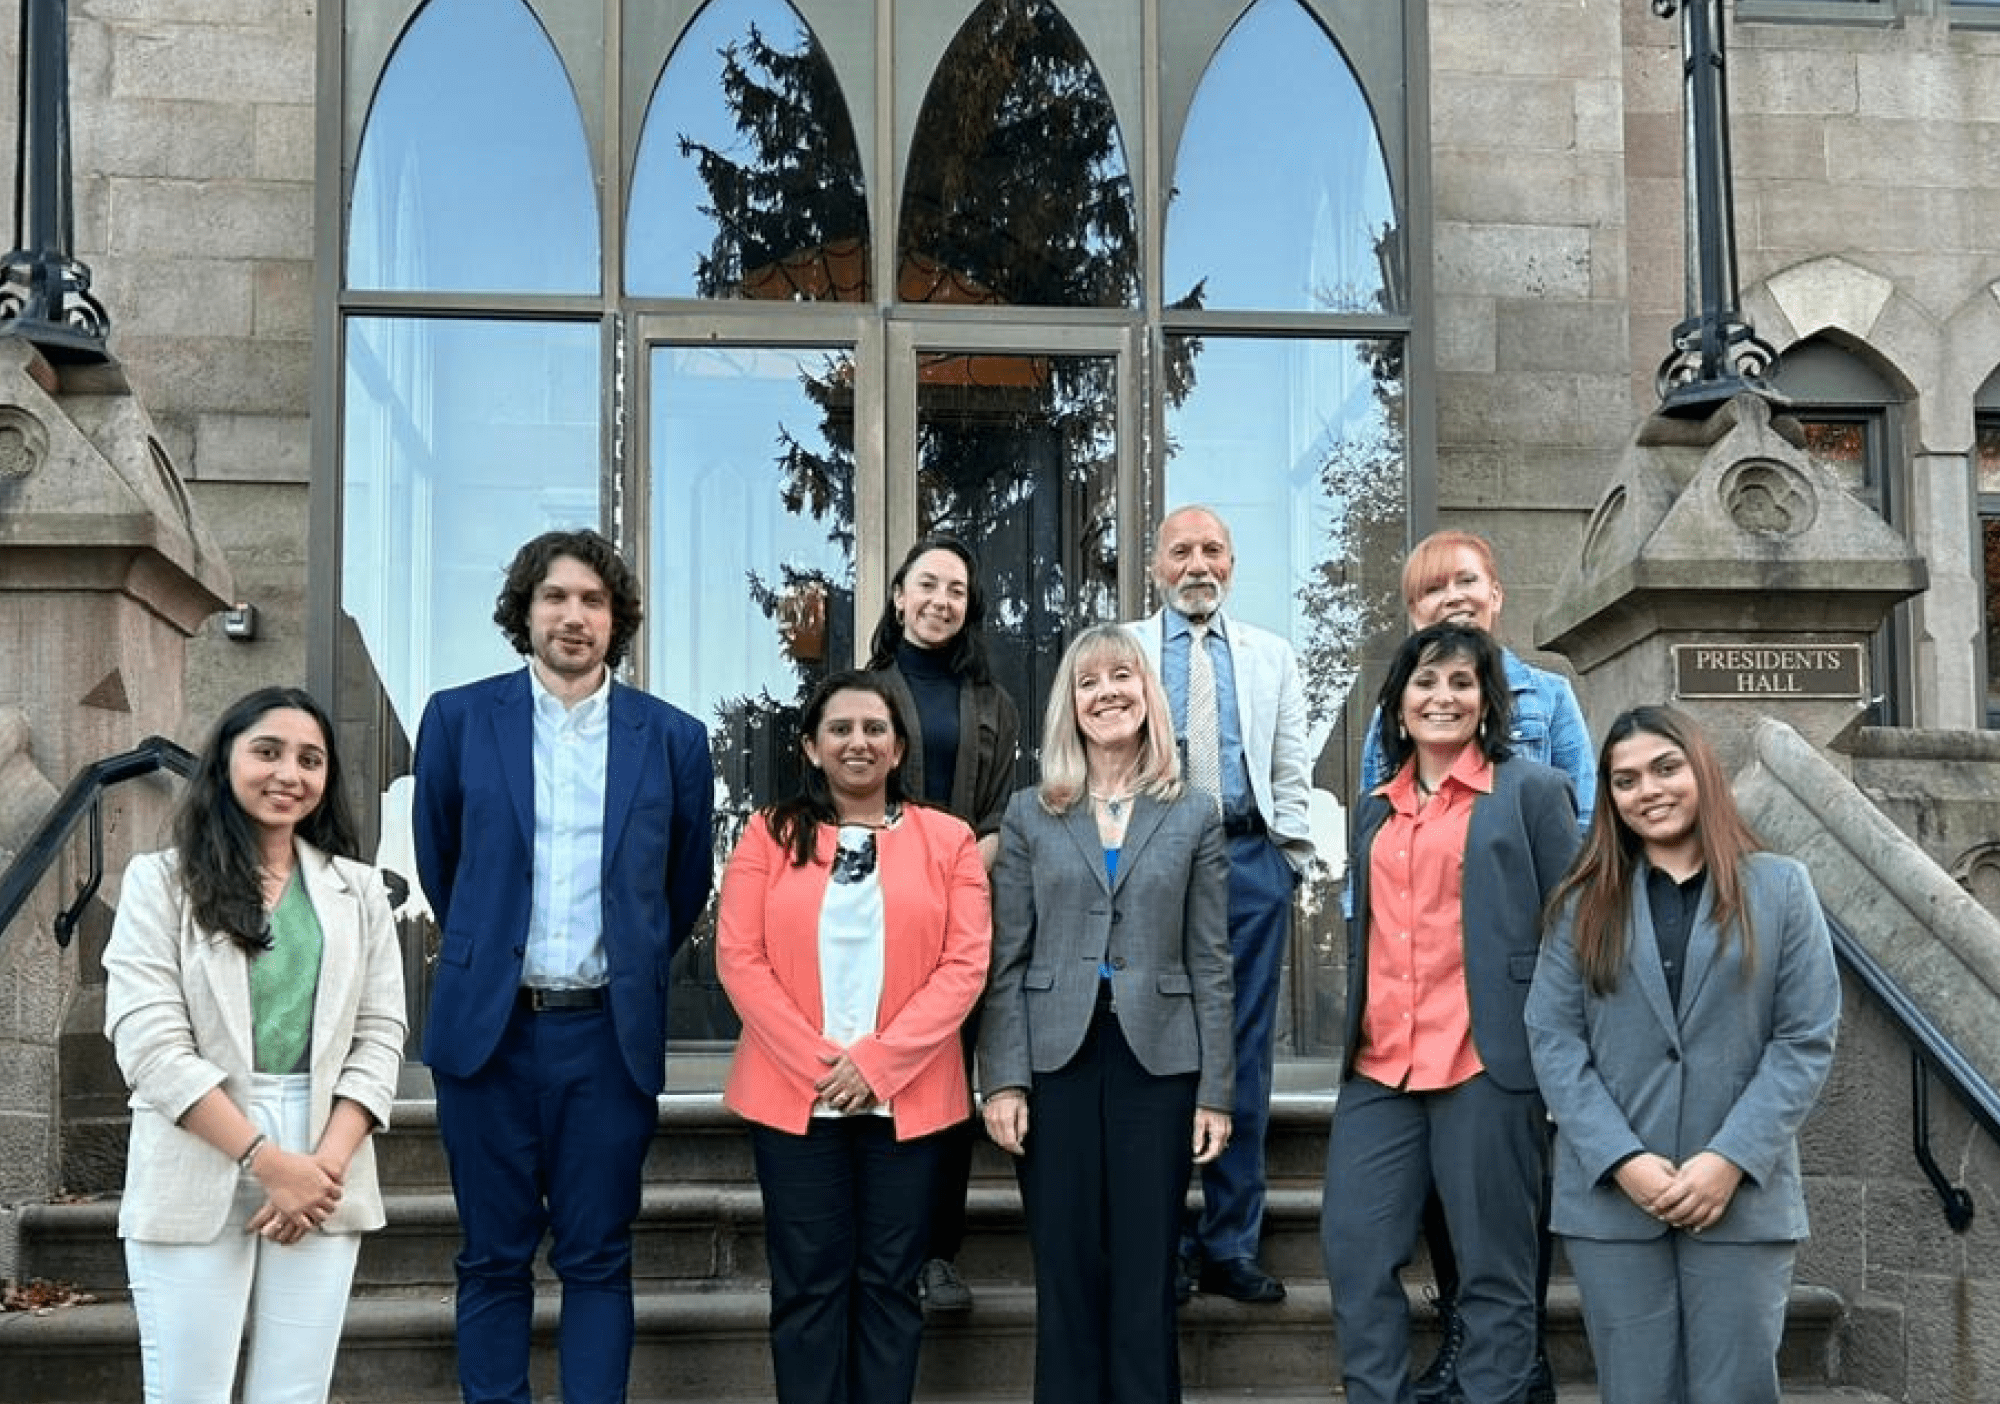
point(963, 734)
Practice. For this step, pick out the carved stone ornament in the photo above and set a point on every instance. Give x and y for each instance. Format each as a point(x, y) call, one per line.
point(1603, 525)
point(1767, 498)
point(24, 443)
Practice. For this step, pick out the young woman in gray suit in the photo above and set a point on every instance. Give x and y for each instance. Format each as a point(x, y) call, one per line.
point(254, 995)
point(1682, 1021)
point(1106, 1053)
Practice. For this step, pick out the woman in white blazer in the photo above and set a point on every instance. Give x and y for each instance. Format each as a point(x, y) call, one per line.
point(1681, 1021)
point(254, 995)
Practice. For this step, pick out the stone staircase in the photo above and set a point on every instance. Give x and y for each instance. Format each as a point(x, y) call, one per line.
point(701, 1292)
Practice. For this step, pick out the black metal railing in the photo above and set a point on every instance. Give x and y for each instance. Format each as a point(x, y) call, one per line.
point(82, 801)
point(1932, 1055)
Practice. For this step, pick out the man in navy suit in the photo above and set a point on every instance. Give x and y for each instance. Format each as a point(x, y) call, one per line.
point(563, 839)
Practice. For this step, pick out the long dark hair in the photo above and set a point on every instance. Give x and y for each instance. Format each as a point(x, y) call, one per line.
point(215, 839)
point(795, 822)
point(1437, 644)
point(1600, 880)
point(965, 652)
point(530, 567)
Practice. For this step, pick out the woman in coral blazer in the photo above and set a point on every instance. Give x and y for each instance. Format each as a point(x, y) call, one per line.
point(254, 995)
point(853, 939)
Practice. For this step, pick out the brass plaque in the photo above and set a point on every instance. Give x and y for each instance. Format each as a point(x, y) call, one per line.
point(1774, 670)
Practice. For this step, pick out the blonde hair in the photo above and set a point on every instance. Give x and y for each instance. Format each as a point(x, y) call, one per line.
point(1429, 562)
point(1065, 767)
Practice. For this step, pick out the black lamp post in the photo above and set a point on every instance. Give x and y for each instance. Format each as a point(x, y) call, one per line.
point(45, 293)
point(1717, 355)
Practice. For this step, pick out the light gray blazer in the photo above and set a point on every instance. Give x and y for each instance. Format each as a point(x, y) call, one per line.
point(1734, 1068)
point(177, 1010)
point(1271, 705)
point(1163, 927)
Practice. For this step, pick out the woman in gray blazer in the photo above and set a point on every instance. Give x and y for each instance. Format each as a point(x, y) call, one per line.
point(1106, 1052)
point(254, 996)
point(1682, 1021)
point(1453, 856)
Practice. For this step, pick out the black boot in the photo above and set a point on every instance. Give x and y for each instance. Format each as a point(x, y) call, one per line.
point(1438, 1384)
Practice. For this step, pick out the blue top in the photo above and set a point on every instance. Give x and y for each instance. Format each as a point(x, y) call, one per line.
point(1237, 801)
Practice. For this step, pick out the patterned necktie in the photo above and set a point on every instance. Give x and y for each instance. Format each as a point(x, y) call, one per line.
point(1204, 724)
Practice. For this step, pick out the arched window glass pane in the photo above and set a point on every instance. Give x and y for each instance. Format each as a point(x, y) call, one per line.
point(474, 174)
point(1299, 445)
point(1282, 197)
point(748, 181)
point(1017, 189)
point(462, 440)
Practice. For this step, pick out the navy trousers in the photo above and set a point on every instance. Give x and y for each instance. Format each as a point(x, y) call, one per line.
point(549, 1137)
point(1231, 1220)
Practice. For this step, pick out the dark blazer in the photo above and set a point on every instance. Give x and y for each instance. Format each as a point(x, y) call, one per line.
point(1520, 841)
point(474, 816)
point(1734, 1068)
point(1163, 927)
point(989, 737)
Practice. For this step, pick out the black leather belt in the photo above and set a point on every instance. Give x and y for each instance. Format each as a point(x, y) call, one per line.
point(538, 1001)
point(1237, 826)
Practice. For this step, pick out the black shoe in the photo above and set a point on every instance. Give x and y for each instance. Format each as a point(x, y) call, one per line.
point(1241, 1279)
point(1542, 1384)
point(1187, 1267)
point(1438, 1384)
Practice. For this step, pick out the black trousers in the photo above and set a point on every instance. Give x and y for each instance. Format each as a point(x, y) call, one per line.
point(1104, 1182)
point(845, 1209)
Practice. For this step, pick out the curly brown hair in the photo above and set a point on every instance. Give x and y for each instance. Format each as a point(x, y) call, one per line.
point(530, 567)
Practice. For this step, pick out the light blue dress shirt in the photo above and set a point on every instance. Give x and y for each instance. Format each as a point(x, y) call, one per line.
point(566, 911)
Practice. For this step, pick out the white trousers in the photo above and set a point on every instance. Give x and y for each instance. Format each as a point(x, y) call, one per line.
point(194, 1299)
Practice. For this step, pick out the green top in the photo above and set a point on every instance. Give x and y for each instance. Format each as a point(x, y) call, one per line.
point(283, 981)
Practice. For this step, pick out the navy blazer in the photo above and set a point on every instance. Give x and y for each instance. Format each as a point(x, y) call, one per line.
point(1517, 847)
point(474, 817)
point(1733, 1068)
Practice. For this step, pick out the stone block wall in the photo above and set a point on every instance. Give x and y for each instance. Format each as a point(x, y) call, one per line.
point(1923, 1300)
point(193, 125)
point(1529, 175)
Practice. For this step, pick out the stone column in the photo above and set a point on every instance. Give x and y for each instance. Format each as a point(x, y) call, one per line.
point(1727, 572)
point(104, 575)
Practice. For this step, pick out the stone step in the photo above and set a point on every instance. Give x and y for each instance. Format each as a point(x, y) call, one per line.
point(697, 1236)
point(709, 1347)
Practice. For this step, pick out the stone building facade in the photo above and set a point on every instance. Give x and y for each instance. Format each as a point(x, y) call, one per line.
point(1529, 243)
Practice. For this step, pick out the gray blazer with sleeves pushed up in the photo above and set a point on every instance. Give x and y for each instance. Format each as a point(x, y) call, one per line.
point(1734, 1069)
point(1163, 927)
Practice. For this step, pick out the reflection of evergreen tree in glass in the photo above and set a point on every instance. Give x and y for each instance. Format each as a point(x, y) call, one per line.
point(791, 222)
point(1016, 180)
point(798, 205)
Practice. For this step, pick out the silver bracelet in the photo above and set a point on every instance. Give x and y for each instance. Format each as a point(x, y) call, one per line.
point(250, 1151)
